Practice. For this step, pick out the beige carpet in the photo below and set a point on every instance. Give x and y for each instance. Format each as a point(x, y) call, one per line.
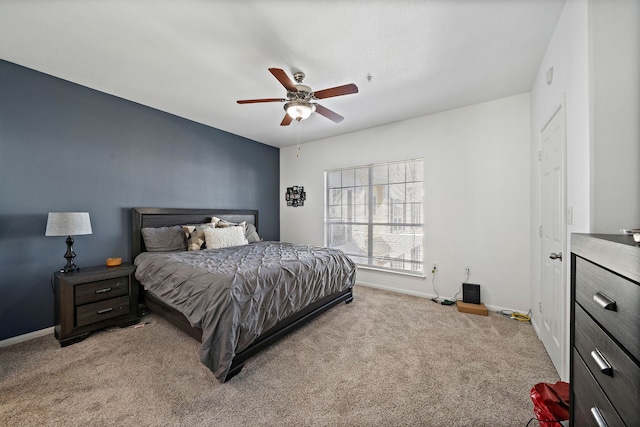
point(387, 359)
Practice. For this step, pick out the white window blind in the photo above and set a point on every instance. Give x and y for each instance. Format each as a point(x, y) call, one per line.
point(374, 214)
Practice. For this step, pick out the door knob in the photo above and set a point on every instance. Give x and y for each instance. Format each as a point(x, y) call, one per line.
point(556, 256)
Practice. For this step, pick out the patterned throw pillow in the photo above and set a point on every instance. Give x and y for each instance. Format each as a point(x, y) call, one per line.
point(221, 223)
point(195, 235)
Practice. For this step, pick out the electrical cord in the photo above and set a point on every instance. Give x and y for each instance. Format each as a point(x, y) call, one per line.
point(542, 421)
point(521, 317)
point(525, 318)
point(455, 297)
point(433, 283)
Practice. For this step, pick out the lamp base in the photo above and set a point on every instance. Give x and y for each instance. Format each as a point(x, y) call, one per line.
point(69, 255)
point(68, 269)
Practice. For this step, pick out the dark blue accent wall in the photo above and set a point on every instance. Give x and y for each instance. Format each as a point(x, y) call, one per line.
point(65, 147)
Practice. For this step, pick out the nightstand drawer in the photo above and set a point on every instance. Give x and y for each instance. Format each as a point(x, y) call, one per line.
point(615, 372)
point(589, 401)
point(101, 290)
point(107, 309)
point(612, 300)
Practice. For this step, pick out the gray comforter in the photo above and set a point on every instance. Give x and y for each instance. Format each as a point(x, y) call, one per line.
point(234, 294)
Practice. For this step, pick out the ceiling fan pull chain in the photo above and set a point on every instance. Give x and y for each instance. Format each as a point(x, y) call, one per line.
point(298, 150)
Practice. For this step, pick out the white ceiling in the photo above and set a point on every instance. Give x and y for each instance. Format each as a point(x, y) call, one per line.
point(194, 58)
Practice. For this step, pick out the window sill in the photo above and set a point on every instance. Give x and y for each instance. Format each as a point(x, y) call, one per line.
point(397, 272)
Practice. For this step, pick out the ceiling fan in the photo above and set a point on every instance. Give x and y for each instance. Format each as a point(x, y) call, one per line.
point(298, 103)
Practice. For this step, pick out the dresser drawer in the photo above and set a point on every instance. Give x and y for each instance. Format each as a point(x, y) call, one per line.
point(594, 287)
point(587, 395)
point(98, 311)
point(101, 290)
point(621, 382)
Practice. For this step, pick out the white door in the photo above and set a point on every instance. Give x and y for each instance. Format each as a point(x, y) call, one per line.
point(553, 256)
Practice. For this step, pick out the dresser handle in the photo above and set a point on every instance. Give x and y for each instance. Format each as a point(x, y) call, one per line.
point(604, 301)
point(598, 417)
point(106, 310)
point(603, 364)
point(102, 291)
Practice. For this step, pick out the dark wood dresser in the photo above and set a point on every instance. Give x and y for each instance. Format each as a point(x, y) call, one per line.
point(93, 298)
point(605, 331)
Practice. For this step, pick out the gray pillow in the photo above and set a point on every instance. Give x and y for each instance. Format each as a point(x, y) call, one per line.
point(250, 233)
point(164, 239)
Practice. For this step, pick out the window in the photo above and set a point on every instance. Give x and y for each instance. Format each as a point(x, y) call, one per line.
point(374, 214)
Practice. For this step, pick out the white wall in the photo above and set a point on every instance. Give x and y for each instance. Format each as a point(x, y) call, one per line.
point(567, 53)
point(614, 37)
point(596, 67)
point(477, 195)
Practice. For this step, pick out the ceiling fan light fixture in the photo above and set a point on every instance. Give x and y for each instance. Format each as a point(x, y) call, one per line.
point(298, 106)
point(299, 110)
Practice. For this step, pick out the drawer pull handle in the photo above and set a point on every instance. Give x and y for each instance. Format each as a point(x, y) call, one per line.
point(604, 301)
point(106, 310)
point(598, 417)
point(102, 291)
point(603, 364)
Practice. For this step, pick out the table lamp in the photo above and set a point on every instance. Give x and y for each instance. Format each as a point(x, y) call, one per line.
point(68, 224)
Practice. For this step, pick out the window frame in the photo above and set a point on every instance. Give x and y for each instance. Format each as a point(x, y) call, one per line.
point(408, 213)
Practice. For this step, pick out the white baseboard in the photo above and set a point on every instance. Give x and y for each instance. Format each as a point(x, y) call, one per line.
point(425, 295)
point(535, 326)
point(26, 337)
point(393, 289)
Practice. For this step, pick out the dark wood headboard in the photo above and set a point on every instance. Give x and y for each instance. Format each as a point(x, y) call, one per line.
point(164, 217)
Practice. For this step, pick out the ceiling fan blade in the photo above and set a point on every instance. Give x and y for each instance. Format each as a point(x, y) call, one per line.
point(254, 101)
point(282, 77)
point(286, 121)
point(336, 91)
point(328, 113)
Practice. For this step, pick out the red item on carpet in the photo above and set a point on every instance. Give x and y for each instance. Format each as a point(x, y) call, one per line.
point(551, 402)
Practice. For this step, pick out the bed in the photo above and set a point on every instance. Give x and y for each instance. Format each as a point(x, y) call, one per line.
point(234, 300)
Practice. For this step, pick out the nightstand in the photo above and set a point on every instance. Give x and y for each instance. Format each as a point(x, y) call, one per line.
point(94, 298)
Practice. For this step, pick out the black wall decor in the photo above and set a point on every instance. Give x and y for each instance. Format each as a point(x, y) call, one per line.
point(295, 196)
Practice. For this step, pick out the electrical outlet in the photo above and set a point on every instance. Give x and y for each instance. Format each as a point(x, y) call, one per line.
point(434, 267)
point(467, 270)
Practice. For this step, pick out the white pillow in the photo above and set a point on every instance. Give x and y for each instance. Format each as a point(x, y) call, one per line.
point(224, 237)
